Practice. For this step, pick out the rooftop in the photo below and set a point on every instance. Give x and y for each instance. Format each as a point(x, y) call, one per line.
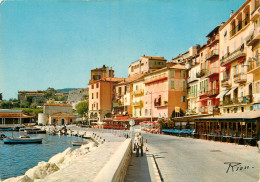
point(62, 114)
point(57, 105)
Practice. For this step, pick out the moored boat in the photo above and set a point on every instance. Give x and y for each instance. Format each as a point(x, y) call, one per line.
point(11, 140)
point(79, 143)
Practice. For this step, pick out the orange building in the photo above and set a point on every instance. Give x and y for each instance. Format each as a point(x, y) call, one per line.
point(101, 93)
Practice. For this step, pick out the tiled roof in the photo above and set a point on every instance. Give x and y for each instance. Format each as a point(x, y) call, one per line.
point(151, 57)
point(62, 114)
point(113, 79)
point(178, 66)
point(14, 115)
point(57, 104)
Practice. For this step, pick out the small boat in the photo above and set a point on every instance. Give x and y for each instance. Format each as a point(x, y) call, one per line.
point(2, 136)
point(11, 140)
point(79, 143)
point(35, 131)
point(24, 136)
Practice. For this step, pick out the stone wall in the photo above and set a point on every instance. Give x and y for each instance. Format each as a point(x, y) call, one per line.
point(115, 169)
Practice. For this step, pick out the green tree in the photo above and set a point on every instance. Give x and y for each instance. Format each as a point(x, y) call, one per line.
point(82, 108)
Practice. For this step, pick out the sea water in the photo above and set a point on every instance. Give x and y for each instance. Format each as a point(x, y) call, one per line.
point(15, 160)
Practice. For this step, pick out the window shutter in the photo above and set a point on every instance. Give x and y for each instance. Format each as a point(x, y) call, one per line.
point(172, 84)
point(172, 73)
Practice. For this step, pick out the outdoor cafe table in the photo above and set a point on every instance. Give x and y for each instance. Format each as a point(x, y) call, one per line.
point(218, 138)
point(204, 136)
point(226, 138)
point(236, 139)
point(210, 137)
point(248, 141)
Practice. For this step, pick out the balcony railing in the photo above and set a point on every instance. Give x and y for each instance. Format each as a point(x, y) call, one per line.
point(138, 104)
point(138, 92)
point(213, 39)
point(192, 79)
point(239, 27)
point(213, 71)
point(203, 110)
point(212, 54)
point(213, 92)
point(229, 57)
point(156, 78)
point(254, 65)
point(162, 104)
point(254, 38)
point(246, 99)
point(118, 104)
point(192, 95)
point(226, 82)
point(203, 92)
point(201, 73)
point(240, 78)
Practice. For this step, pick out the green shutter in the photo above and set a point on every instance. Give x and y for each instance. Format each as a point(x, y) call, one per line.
point(184, 85)
point(172, 73)
point(172, 84)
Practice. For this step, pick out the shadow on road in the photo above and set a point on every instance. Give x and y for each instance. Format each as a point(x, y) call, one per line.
point(138, 170)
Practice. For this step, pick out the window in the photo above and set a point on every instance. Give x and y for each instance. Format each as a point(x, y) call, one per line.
point(140, 112)
point(97, 106)
point(184, 85)
point(92, 95)
point(97, 85)
point(97, 95)
point(172, 73)
point(183, 74)
point(92, 86)
point(172, 84)
point(146, 112)
point(242, 109)
point(182, 98)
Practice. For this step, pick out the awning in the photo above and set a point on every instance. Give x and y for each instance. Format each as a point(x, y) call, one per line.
point(230, 91)
point(201, 100)
point(221, 95)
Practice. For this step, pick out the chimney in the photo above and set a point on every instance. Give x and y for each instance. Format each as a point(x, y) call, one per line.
point(231, 14)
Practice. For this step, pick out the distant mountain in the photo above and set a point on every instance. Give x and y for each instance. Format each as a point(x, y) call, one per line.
point(65, 90)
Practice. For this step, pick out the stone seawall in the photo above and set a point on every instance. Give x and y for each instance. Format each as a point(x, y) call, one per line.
point(115, 169)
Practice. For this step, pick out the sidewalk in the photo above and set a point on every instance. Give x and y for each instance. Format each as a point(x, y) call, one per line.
point(140, 169)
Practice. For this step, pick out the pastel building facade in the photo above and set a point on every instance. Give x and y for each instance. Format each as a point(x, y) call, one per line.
point(236, 84)
point(165, 89)
point(101, 93)
point(146, 64)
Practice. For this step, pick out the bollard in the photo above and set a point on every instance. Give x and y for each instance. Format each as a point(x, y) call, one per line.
point(258, 146)
point(146, 150)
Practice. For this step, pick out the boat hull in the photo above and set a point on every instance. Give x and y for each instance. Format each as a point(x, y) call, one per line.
point(22, 140)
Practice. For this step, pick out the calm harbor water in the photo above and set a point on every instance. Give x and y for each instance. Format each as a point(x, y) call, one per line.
point(15, 160)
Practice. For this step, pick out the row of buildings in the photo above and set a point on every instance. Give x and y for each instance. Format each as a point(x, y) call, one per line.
point(220, 77)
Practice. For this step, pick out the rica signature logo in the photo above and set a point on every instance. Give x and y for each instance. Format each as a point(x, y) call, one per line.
point(236, 166)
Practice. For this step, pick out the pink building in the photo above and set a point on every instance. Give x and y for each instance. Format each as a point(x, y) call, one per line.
point(165, 89)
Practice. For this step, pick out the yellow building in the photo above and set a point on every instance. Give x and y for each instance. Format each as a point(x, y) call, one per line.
point(234, 52)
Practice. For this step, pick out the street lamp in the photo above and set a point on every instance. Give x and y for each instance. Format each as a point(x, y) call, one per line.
point(151, 104)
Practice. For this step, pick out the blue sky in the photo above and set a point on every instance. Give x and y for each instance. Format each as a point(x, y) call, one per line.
point(55, 43)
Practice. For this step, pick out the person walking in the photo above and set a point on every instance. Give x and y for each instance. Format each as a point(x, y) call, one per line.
point(136, 144)
point(141, 143)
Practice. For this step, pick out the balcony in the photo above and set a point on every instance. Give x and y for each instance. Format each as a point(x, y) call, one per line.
point(240, 78)
point(212, 54)
point(138, 92)
point(213, 92)
point(192, 79)
point(162, 104)
point(213, 40)
point(245, 100)
point(118, 104)
point(201, 73)
point(254, 65)
point(191, 111)
point(203, 110)
point(138, 104)
point(226, 82)
point(254, 38)
point(191, 95)
point(213, 71)
point(156, 78)
point(230, 57)
point(239, 27)
point(203, 92)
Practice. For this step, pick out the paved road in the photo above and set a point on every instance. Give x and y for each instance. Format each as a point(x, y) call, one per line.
point(187, 159)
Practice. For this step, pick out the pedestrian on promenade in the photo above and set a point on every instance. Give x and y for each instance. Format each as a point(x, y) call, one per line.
point(136, 144)
point(141, 143)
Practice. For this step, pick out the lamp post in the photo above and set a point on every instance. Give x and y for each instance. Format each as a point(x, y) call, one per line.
point(151, 104)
